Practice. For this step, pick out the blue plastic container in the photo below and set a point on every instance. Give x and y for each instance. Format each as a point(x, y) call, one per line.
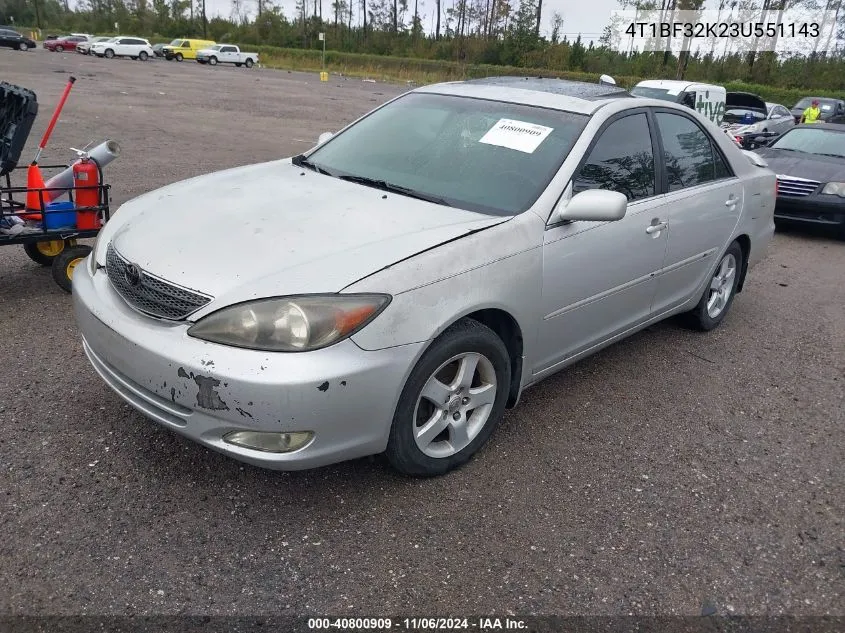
point(63, 216)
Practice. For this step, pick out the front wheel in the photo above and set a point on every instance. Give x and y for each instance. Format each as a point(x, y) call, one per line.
point(248, 63)
point(60, 49)
point(109, 53)
point(66, 262)
point(143, 56)
point(719, 293)
point(212, 60)
point(452, 401)
point(179, 57)
point(23, 47)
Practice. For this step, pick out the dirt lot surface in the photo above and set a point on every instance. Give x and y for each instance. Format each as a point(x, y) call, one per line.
point(672, 473)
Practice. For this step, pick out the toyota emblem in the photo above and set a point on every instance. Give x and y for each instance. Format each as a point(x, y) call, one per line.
point(132, 274)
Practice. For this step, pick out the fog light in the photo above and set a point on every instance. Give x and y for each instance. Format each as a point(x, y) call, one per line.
point(269, 442)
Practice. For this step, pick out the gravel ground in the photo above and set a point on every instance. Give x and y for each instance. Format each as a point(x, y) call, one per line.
point(672, 473)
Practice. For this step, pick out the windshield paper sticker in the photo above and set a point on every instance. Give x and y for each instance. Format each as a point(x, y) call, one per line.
point(518, 135)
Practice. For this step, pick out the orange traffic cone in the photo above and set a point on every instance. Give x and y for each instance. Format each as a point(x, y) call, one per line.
point(34, 182)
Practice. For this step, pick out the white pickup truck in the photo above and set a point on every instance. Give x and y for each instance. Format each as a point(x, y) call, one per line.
point(226, 54)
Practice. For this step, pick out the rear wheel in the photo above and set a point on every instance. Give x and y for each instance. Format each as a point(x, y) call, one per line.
point(66, 263)
point(143, 56)
point(720, 292)
point(109, 53)
point(248, 63)
point(45, 252)
point(452, 401)
point(179, 57)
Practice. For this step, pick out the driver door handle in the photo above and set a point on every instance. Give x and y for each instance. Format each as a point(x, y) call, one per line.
point(731, 201)
point(655, 228)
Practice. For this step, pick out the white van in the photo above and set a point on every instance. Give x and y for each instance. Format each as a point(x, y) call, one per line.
point(707, 99)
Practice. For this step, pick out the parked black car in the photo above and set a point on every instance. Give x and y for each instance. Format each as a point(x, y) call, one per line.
point(13, 39)
point(829, 107)
point(158, 49)
point(809, 161)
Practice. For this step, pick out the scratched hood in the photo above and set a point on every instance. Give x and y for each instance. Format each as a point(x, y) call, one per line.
point(800, 165)
point(277, 229)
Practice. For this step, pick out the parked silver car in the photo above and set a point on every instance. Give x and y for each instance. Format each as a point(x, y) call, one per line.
point(397, 287)
point(746, 113)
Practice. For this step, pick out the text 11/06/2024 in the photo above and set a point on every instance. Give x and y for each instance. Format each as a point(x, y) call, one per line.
point(726, 32)
point(377, 625)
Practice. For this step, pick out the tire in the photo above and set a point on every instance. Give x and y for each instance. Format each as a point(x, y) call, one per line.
point(60, 49)
point(465, 340)
point(66, 262)
point(711, 310)
point(248, 63)
point(44, 253)
point(179, 57)
point(109, 53)
point(23, 47)
point(143, 56)
point(212, 60)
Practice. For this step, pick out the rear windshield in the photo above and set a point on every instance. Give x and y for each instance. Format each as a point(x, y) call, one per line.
point(656, 93)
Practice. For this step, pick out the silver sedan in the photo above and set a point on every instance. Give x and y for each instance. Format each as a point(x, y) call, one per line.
point(397, 287)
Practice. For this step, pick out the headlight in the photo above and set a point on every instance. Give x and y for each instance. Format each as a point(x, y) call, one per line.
point(290, 324)
point(835, 189)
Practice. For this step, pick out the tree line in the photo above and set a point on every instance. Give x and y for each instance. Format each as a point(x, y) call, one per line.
point(498, 32)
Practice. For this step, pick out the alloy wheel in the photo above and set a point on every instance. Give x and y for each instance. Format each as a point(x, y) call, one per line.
point(721, 286)
point(454, 404)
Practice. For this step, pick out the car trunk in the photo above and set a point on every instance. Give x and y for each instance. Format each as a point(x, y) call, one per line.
point(743, 108)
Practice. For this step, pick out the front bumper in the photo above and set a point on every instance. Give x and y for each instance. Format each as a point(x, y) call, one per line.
point(812, 209)
point(346, 396)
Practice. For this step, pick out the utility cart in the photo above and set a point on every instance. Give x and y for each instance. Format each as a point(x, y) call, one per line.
point(46, 220)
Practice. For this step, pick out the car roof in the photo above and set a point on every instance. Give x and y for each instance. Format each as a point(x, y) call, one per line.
point(560, 94)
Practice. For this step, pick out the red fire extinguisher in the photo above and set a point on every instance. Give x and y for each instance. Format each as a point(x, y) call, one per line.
point(86, 180)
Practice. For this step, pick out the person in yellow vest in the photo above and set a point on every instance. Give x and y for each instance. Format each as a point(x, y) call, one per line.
point(811, 114)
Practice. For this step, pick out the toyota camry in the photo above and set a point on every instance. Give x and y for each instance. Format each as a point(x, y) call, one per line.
point(397, 287)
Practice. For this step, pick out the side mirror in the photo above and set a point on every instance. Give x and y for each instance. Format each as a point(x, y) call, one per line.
point(594, 205)
point(325, 136)
point(607, 80)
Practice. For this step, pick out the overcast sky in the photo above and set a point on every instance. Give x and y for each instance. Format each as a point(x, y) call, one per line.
point(589, 20)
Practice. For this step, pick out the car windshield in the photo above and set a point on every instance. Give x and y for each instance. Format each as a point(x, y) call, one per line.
point(655, 93)
point(215, 48)
point(175, 43)
point(486, 156)
point(808, 101)
point(813, 141)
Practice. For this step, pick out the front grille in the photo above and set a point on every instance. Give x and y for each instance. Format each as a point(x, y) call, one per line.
point(152, 295)
point(796, 187)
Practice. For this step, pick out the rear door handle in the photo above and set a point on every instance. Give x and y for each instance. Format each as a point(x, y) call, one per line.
point(656, 228)
point(731, 201)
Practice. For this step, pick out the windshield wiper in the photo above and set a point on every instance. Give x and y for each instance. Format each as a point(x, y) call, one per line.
point(404, 191)
point(301, 161)
point(834, 155)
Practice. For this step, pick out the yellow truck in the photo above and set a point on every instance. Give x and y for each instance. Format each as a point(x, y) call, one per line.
point(185, 48)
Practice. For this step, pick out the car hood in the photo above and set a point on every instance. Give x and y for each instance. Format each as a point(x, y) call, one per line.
point(278, 229)
point(810, 166)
